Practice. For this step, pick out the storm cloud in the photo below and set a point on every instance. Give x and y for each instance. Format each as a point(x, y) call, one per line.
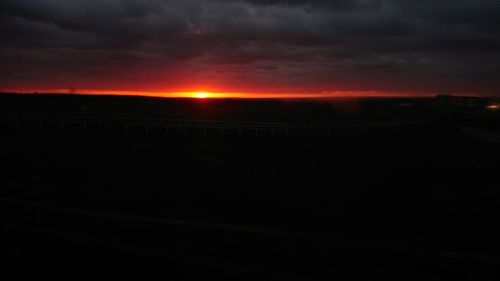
point(276, 45)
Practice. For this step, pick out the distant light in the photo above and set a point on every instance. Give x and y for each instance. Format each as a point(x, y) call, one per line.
point(493, 107)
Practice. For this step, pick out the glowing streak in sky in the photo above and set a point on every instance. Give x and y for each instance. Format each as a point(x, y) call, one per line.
point(204, 94)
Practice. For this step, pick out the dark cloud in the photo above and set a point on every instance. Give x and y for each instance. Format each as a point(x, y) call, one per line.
point(395, 45)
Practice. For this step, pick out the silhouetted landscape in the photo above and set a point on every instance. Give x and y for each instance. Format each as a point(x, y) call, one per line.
point(259, 140)
point(250, 189)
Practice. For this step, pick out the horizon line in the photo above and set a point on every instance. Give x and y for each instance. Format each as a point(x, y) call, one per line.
point(203, 94)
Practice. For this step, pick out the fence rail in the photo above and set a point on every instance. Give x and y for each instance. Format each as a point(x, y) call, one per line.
point(41, 121)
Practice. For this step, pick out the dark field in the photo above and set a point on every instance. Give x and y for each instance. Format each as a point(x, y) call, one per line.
point(401, 194)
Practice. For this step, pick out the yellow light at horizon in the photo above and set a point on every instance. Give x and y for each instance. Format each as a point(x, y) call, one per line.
point(493, 107)
point(202, 95)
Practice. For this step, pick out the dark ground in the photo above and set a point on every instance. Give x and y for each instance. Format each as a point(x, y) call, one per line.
point(422, 206)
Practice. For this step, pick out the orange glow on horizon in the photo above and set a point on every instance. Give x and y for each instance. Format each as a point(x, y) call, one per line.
point(223, 95)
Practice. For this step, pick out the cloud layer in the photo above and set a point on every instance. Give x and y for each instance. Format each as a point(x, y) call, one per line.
point(253, 45)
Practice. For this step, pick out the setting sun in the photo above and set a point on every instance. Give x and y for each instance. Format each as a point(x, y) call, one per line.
point(202, 95)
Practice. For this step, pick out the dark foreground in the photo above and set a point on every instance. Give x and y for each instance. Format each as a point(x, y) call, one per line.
point(363, 205)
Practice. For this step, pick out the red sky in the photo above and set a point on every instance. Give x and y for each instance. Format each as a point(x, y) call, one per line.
point(251, 48)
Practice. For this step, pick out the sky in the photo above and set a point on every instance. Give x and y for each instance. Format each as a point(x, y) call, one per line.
point(258, 47)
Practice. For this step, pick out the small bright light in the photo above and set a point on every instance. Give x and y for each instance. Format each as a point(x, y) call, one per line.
point(493, 107)
point(202, 95)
